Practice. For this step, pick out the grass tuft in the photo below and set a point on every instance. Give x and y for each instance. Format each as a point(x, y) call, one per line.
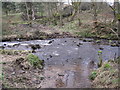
point(35, 61)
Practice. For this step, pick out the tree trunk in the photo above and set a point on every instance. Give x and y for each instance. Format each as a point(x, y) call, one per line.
point(94, 15)
point(119, 28)
point(76, 6)
point(30, 12)
point(79, 22)
point(60, 12)
point(49, 13)
point(118, 19)
point(73, 15)
point(114, 11)
point(6, 12)
point(27, 10)
point(33, 13)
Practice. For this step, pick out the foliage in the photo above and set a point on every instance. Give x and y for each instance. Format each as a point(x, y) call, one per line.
point(35, 61)
point(118, 16)
point(93, 75)
point(8, 6)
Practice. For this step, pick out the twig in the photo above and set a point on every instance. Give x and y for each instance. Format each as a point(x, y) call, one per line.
point(114, 32)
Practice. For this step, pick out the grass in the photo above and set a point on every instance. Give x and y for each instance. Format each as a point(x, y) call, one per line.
point(12, 17)
point(14, 52)
point(106, 76)
point(67, 27)
point(116, 80)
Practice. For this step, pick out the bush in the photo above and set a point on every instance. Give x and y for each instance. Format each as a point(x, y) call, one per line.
point(35, 61)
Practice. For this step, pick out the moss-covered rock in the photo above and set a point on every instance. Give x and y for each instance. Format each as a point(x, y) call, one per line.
point(35, 61)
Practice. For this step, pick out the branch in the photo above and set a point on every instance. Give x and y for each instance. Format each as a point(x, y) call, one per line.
point(114, 32)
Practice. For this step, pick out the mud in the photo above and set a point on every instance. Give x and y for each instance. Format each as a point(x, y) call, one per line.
point(37, 35)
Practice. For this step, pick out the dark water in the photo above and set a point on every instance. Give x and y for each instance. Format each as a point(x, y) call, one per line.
point(69, 56)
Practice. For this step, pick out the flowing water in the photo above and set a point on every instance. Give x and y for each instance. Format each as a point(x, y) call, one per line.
point(67, 60)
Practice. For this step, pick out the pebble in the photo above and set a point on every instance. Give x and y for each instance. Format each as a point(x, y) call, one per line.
point(60, 74)
point(13, 73)
point(21, 71)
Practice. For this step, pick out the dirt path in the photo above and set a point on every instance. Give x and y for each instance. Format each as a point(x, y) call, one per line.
point(66, 77)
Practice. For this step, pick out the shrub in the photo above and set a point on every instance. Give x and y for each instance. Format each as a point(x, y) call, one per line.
point(35, 61)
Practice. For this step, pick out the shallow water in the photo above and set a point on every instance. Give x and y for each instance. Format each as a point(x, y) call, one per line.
point(64, 56)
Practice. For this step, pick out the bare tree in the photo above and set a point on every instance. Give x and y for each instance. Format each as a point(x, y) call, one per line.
point(114, 9)
point(30, 12)
point(60, 12)
point(118, 18)
point(94, 14)
point(75, 6)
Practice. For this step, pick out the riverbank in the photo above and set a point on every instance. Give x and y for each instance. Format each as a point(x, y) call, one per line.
point(107, 76)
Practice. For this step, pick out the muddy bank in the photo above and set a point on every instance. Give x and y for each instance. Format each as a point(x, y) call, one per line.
point(18, 73)
point(38, 36)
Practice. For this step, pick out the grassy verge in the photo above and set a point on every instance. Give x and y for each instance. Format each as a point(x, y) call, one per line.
point(14, 52)
point(107, 75)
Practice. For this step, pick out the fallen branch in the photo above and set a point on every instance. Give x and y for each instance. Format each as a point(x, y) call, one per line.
point(114, 32)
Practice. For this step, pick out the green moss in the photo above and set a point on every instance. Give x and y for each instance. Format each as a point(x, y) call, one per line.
point(2, 62)
point(93, 75)
point(99, 52)
point(1, 76)
point(35, 61)
point(107, 66)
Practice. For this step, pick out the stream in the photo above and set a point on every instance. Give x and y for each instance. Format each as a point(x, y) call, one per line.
point(68, 61)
